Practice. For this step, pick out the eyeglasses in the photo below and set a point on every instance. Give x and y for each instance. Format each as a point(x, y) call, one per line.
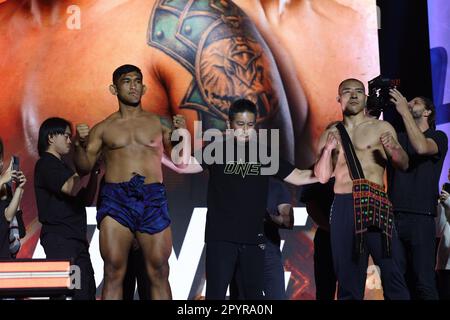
point(67, 135)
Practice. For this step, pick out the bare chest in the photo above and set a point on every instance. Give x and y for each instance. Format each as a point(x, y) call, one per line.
point(365, 139)
point(133, 133)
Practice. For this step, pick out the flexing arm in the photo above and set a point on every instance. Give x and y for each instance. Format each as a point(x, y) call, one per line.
point(88, 145)
point(324, 167)
point(393, 149)
point(420, 143)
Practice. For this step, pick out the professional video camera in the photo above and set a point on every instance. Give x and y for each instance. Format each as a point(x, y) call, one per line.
point(379, 98)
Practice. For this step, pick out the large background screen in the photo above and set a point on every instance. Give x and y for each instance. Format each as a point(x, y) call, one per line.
point(57, 58)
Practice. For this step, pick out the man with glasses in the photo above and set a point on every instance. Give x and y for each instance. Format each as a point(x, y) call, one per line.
point(61, 204)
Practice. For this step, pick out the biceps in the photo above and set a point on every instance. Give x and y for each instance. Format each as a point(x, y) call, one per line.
point(93, 151)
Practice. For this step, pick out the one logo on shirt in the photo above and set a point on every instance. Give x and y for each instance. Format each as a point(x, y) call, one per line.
point(243, 168)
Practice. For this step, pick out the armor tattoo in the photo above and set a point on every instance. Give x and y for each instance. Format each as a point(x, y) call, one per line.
point(228, 59)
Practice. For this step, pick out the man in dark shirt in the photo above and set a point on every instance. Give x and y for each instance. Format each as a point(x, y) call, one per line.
point(237, 195)
point(414, 193)
point(61, 207)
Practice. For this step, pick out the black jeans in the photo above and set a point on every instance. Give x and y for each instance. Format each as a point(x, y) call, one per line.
point(273, 272)
point(225, 260)
point(58, 247)
point(417, 234)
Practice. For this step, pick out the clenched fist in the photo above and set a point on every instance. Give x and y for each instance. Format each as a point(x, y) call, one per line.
point(389, 143)
point(82, 134)
point(332, 140)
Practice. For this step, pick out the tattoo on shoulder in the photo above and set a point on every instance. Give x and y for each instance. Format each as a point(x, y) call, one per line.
point(202, 35)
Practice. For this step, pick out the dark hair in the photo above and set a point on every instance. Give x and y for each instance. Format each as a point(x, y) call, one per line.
point(1, 147)
point(348, 80)
point(240, 106)
point(126, 68)
point(429, 105)
point(50, 127)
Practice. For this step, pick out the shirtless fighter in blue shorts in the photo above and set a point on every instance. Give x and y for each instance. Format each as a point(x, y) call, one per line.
point(133, 198)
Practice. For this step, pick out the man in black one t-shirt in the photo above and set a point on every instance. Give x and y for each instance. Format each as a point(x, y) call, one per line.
point(237, 195)
point(61, 209)
point(415, 192)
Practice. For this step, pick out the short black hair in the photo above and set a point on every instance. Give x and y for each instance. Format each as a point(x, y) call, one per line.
point(348, 80)
point(240, 106)
point(51, 127)
point(429, 105)
point(126, 68)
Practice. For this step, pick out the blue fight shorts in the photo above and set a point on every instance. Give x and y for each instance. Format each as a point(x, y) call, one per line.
point(135, 205)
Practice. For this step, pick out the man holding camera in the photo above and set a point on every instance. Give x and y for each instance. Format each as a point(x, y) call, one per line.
point(415, 191)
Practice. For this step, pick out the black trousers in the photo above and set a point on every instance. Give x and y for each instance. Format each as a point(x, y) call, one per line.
point(351, 273)
point(417, 234)
point(225, 260)
point(324, 275)
point(58, 247)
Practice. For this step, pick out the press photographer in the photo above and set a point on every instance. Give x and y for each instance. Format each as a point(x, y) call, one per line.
point(414, 191)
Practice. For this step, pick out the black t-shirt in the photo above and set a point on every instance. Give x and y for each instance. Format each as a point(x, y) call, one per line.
point(4, 231)
point(237, 196)
point(417, 189)
point(59, 213)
